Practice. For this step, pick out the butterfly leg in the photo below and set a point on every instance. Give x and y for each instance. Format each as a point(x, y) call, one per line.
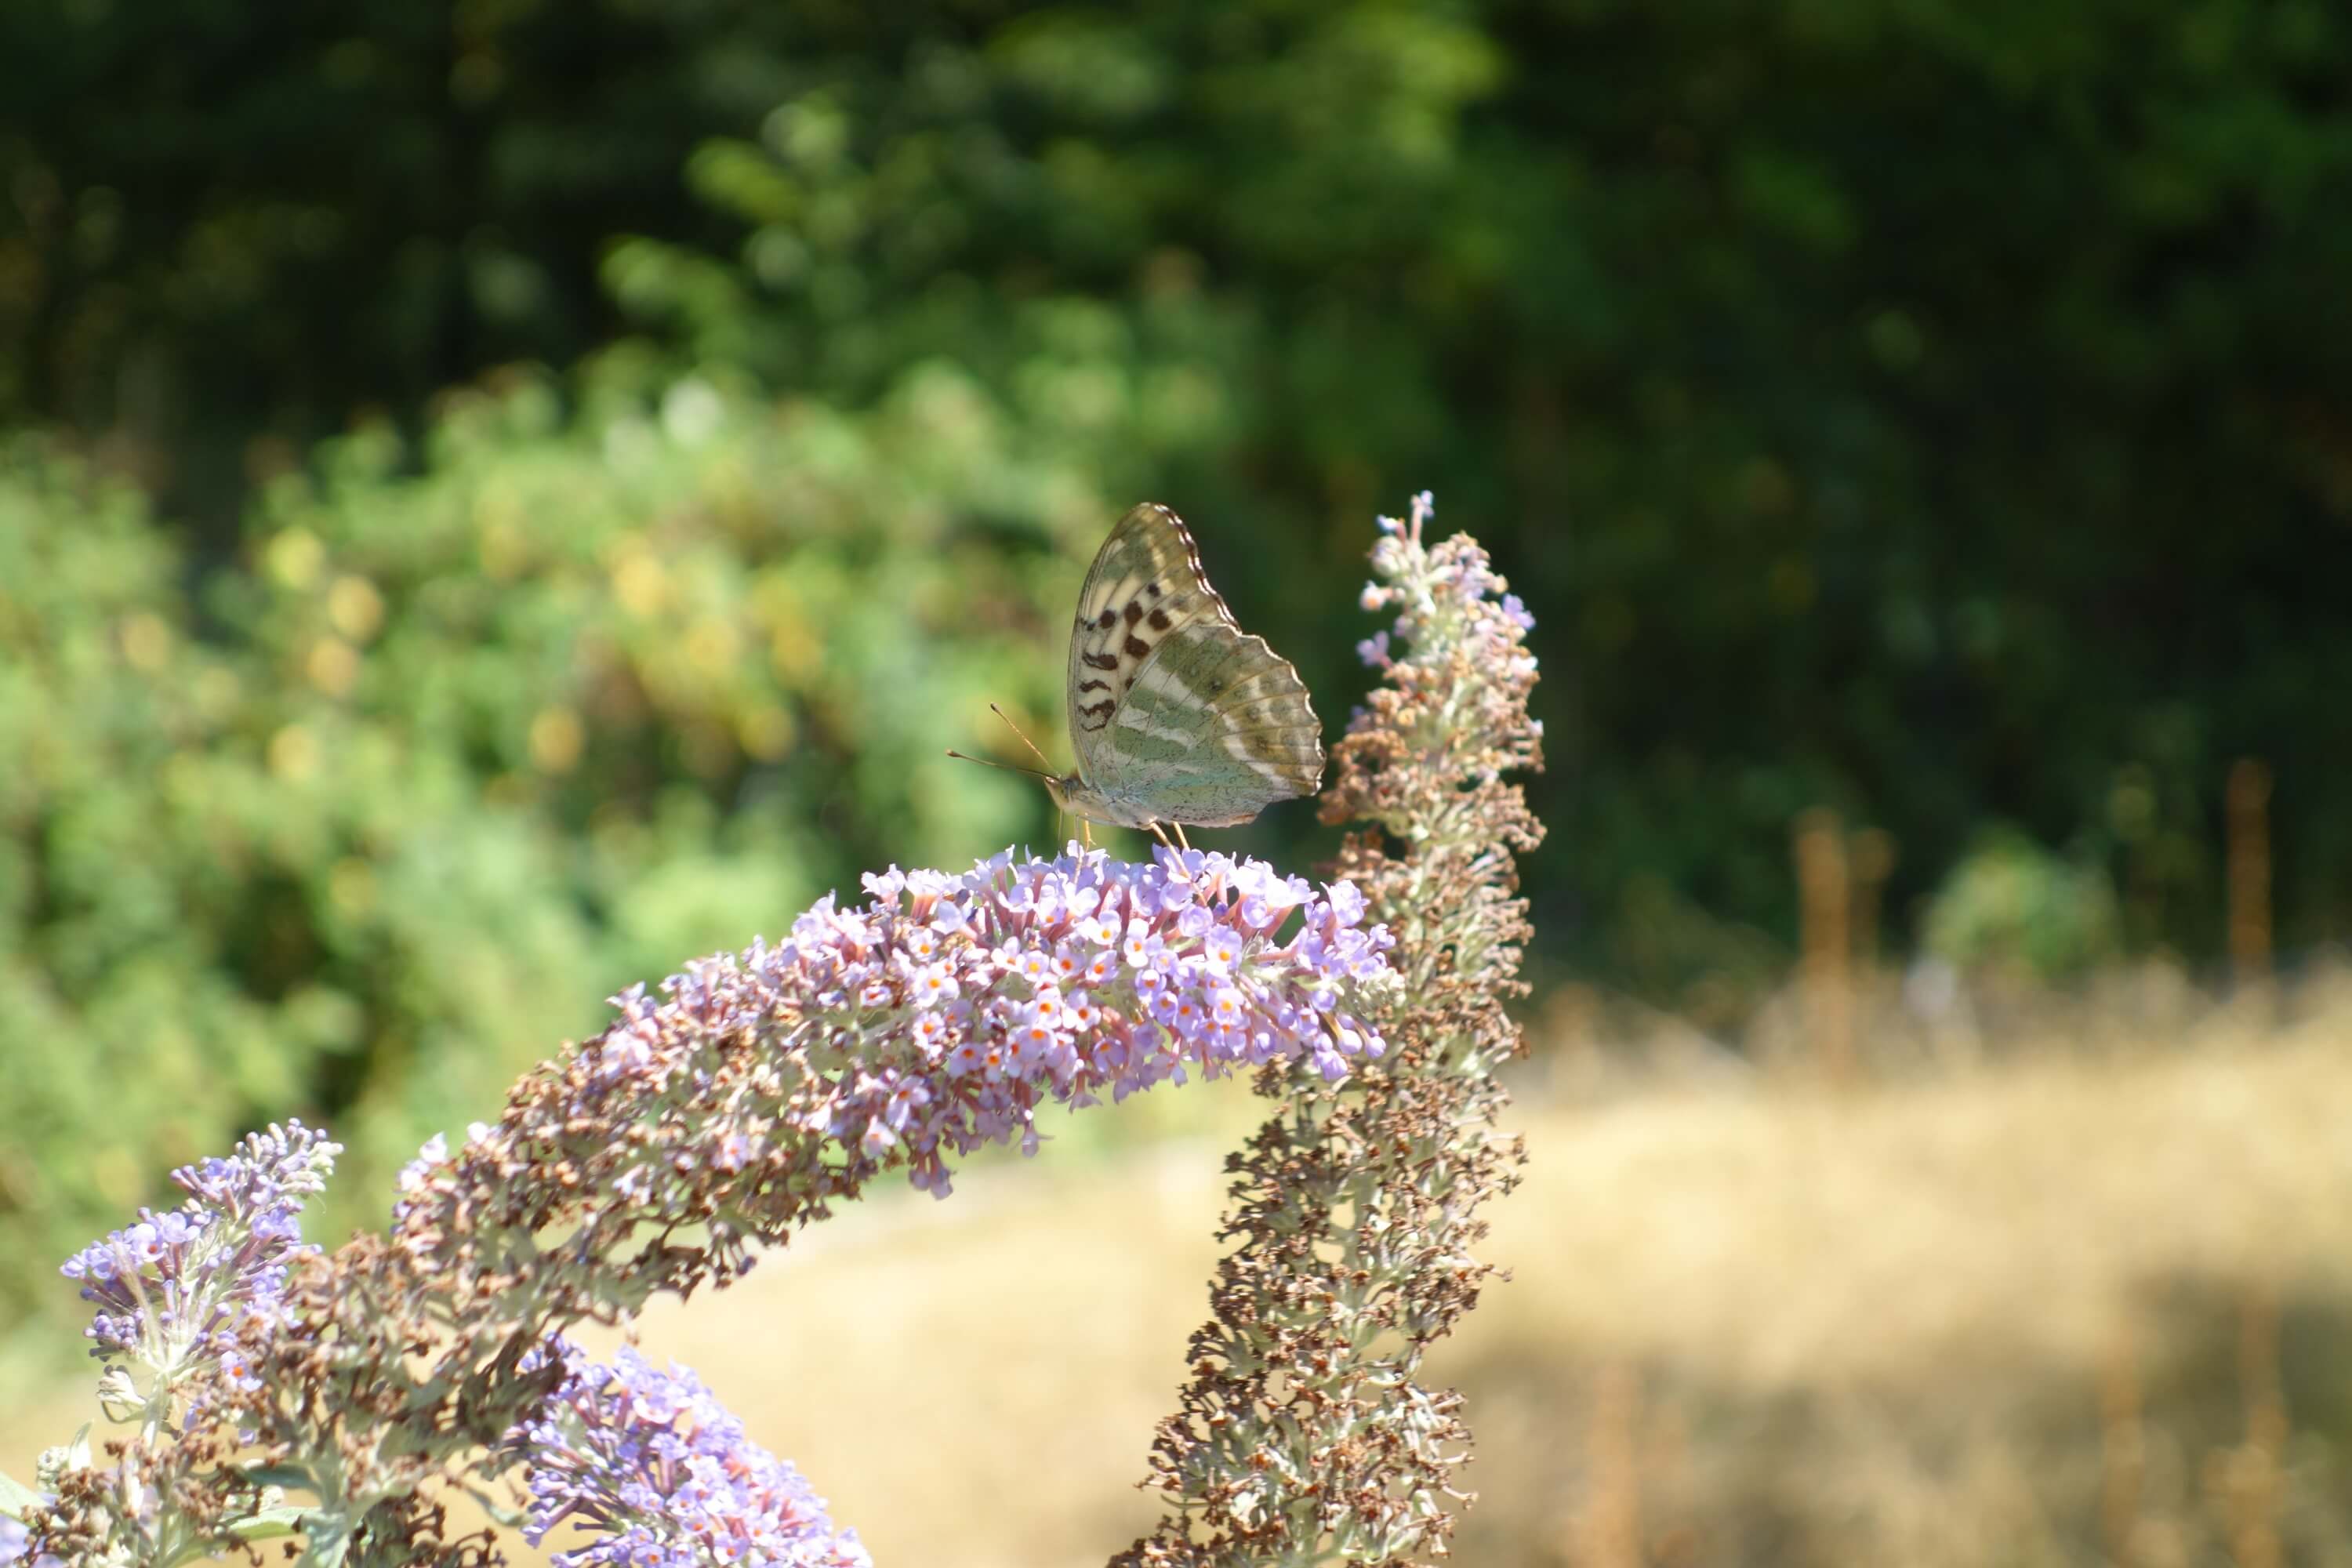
point(1160, 833)
point(1179, 835)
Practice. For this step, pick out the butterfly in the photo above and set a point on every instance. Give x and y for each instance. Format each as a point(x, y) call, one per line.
point(1177, 715)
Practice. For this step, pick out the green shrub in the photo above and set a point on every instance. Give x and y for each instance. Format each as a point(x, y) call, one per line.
point(124, 858)
point(2011, 910)
point(470, 737)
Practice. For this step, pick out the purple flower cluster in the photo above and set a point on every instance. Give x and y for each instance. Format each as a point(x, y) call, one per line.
point(1077, 974)
point(949, 1007)
point(1441, 594)
point(16, 1541)
point(1452, 579)
point(202, 1283)
point(666, 1477)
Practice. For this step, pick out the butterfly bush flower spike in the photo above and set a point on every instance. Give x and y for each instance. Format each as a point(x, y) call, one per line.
point(753, 1093)
point(204, 1282)
point(1305, 1435)
point(968, 1001)
point(660, 1474)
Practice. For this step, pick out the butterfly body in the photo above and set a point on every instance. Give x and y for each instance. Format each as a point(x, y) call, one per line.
point(1177, 715)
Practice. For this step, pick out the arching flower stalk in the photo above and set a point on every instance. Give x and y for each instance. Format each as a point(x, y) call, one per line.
point(759, 1090)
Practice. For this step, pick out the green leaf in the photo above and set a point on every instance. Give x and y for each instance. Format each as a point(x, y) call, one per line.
point(288, 1475)
point(271, 1523)
point(329, 1539)
point(17, 1498)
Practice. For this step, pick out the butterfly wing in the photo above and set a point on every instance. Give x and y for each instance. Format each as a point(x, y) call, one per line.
point(1176, 714)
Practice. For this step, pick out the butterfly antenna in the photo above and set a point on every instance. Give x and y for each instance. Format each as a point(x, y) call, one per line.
point(1008, 767)
point(1026, 740)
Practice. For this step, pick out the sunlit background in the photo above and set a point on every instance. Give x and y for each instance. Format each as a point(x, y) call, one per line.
point(500, 498)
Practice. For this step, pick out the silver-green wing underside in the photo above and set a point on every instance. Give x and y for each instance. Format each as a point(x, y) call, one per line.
point(1176, 714)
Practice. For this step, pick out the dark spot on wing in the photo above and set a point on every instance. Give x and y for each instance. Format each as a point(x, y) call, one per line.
point(1136, 648)
point(1093, 686)
point(1099, 712)
point(1134, 611)
point(1153, 589)
point(1159, 619)
point(1107, 618)
point(1102, 660)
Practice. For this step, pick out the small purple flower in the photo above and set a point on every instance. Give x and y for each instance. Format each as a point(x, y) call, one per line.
point(202, 1283)
point(661, 1473)
point(934, 984)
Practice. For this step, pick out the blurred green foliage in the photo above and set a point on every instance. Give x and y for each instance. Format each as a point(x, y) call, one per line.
point(1934, 413)
point(467, 739)
point(2013, 912)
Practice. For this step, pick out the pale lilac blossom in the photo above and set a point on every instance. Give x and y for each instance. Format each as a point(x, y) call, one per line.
point(202, 1284)
point(661, 1475)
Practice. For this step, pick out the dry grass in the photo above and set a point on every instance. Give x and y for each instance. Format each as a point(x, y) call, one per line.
point(2049, 1310)
point(1880, 1328)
